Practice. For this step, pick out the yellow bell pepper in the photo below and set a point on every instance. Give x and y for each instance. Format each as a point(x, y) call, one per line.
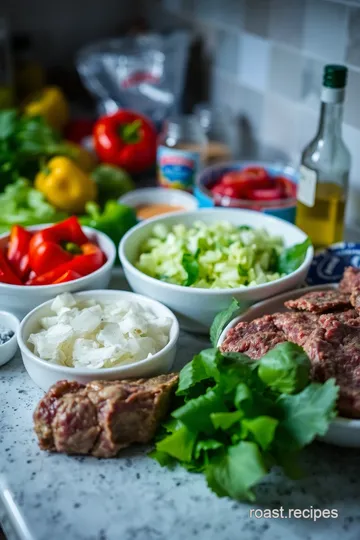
point(65, 185)
point(84, 159)
point(51, 104)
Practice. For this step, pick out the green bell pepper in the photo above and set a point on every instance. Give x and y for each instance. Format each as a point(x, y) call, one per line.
point(115, 220)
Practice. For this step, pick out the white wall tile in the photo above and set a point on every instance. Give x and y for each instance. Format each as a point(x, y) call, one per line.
point(325, 30)
point(352, 139)
point(287, 21)
point(230, 12)
point(285, 73)
point(280, 124)
point(311, 83)
point(254, 62)
point(353, 46)
point(227, 53)
point(352, 99)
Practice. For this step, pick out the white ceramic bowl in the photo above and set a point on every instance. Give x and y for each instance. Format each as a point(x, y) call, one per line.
point(22, 299)
point(45, 374)
point(342, 431)
point(8, 349)
point(195, 307)
point(157, 195)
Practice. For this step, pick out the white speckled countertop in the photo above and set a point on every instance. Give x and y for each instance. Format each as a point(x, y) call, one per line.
point(48, 496)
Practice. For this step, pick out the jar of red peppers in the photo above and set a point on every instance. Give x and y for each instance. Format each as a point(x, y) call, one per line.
point(181, 152)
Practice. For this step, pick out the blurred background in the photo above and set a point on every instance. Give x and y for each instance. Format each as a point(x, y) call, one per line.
point(261, 61)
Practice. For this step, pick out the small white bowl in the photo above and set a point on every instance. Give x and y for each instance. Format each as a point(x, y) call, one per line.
point(45, 374)
point(342, 431)
point(196, 308)
point(8, 349)
point(157, 195)
point(20, 299)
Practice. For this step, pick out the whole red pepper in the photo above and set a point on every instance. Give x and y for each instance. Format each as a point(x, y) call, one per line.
point(90, 259)
point(18, 251)
point(126, 139)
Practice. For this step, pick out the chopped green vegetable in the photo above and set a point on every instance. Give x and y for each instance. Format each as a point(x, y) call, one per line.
point(291, 258)
point(238, 417)
point(216, 256)
point(21, 204)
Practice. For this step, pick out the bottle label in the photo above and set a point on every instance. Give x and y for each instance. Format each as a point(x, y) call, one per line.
point(177, 168)
point(307, 186)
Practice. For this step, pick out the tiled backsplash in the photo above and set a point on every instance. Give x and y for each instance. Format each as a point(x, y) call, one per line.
point(267, 59)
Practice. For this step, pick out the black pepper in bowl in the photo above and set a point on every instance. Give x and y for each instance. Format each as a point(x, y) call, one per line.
point(5, 335)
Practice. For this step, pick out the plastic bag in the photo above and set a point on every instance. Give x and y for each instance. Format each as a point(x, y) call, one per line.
point(145, 73)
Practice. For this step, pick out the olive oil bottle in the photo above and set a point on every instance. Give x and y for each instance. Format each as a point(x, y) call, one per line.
point(325, 166)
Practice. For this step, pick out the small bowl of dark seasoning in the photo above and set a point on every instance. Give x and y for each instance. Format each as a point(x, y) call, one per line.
point(9, 325)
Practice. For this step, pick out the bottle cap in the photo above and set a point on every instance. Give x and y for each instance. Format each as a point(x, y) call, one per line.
point(335, 76)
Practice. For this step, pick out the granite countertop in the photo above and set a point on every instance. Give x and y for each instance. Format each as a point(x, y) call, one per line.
point(48, 496)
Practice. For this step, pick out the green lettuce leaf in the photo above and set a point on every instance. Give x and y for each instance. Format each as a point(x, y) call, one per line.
point(195, 414)
point(291, 258)
point(221, 320)
point(285, 368)
point(236, 471)
point(262, 428)
point(224, 420)
point(179, 444)
point(203, 366)
point(206, 446)
point(307, 414)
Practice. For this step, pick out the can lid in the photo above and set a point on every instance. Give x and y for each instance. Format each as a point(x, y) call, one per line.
point(328, 266)
point(335, 76)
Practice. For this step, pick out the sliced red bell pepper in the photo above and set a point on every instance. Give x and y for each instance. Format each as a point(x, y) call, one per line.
point(68, 230)
point(69, 275)
point(7, 275)
point(18, 251)
point(265, 194)
point(91, 259)
point(48, 255)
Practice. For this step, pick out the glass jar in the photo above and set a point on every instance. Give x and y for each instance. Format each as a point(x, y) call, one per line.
point(218, 125)
point(181, 151)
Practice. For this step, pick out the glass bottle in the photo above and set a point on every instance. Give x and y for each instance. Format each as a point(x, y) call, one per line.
point(325, 166)
point(181, 151)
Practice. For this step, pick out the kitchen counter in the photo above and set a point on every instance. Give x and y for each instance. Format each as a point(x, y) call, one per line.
point(48, 496)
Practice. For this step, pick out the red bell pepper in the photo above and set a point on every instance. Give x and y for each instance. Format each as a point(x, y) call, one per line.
point(126, 139)
point(68, 230)
point(91, 259)
point(69, 275)
point(48, 247)
point(47, 256)
point(7, 275)
point(18, 251)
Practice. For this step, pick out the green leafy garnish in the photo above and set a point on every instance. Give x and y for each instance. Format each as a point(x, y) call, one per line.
point(191, 267)
point(237, 418)
point(285, 368)
point(222, 319)
point(291, 258)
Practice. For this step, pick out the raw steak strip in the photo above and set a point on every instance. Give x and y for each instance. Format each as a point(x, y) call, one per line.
point(103, 416)
point(351, 279)
point(320, 302)
point(253, 338)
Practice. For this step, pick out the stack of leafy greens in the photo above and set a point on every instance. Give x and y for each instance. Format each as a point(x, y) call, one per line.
point(23, 205)
point(24, 143)
point(237, 418)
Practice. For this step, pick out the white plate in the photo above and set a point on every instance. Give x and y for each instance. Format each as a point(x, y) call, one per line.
point(342, 431)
